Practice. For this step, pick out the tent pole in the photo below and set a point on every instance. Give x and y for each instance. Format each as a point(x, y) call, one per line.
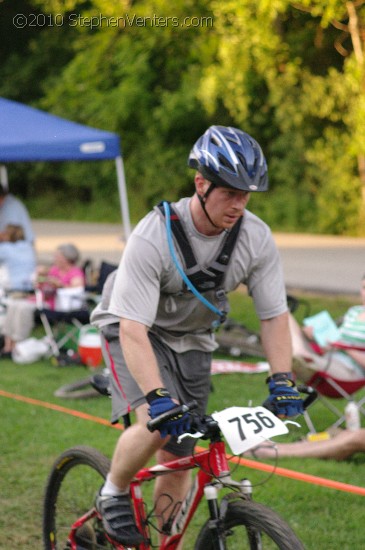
point(123, 197)
point(4, 177)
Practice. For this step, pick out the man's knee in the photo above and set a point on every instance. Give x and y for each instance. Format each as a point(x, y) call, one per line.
point(140, 430)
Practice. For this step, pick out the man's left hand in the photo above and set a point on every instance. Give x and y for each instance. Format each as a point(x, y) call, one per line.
point(284, 399)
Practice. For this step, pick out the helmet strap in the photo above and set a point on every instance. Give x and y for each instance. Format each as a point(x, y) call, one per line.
point(202, 200)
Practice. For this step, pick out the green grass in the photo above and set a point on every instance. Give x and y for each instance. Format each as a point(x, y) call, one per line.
point(32, 436)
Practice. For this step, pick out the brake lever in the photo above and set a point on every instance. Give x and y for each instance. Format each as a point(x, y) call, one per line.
point(196, 435)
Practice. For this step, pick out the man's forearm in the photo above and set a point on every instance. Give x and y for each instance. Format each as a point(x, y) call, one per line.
point(276, 341)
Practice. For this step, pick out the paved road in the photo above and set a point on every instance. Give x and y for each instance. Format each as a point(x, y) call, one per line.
point(323, 263)
point(327, 264)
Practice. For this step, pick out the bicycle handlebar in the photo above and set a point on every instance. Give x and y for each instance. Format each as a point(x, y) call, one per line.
point(311, 392)
point(154, 424)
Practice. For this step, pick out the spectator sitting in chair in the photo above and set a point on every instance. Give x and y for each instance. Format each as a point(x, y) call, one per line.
point(64, 273)
point(17, 259)
point(343, 364)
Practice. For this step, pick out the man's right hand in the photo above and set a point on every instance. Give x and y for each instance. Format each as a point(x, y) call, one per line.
point(284, 399)
point(160, 402)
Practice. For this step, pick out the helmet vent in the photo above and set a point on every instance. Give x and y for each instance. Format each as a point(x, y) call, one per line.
point(215, 141)
point(232, 139)
point(242, 160)
point(225, 163)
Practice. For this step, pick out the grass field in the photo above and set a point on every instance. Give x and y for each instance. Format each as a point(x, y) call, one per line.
point(33, 435)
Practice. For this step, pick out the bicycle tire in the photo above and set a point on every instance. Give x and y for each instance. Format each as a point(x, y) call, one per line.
point(72, 485)
point(76, 390)
point(262, 529)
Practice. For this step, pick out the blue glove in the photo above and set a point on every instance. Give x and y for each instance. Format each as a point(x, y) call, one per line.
point(160, 402)
point(284, 399)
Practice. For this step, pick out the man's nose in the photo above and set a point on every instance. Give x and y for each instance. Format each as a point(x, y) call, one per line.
point(240, 200)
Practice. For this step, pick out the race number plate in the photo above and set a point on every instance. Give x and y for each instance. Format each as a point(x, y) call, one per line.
point(246, 427)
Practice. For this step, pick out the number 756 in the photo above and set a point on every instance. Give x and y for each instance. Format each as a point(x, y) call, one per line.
point(259, 419)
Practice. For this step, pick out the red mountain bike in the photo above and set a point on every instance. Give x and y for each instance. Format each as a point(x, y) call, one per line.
point(71, 522)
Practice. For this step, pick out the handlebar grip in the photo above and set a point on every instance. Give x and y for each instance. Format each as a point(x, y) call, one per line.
point(311, 392)
point(155, 423)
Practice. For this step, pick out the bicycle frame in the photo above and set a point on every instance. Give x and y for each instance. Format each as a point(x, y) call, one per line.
point(213, 474)
point(212, 464)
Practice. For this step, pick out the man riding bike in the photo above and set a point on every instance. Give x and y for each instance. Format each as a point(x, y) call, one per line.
point(170, 289)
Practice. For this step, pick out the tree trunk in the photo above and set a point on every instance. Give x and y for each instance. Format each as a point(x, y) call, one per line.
point(354, 30)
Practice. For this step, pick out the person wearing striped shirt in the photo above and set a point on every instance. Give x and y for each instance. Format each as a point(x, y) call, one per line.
point(344, 364)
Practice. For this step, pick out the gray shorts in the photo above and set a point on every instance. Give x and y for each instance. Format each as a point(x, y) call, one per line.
point(186, 376)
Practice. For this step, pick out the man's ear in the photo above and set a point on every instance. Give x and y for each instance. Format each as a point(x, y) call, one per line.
point(201, 184)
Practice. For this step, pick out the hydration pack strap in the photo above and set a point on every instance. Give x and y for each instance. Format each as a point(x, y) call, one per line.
point(174, 225)
point(216, 271)
point(179, 234)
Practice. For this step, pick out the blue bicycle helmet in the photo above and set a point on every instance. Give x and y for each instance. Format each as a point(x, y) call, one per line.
point(229, 157)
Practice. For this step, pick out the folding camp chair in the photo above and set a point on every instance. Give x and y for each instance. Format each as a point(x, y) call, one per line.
point(105, 269)
point(330, 389)
point(62, 326)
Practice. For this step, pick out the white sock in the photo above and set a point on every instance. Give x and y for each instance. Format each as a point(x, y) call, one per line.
point(110, 489)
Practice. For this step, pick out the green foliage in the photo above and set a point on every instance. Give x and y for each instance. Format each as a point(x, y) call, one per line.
point(286, 72)
point(327, 10)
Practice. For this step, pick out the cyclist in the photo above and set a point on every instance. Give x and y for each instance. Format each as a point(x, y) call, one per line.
point(165, 328)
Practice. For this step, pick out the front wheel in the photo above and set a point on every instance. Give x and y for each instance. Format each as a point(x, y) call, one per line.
point(73, 483)
point(250, 526)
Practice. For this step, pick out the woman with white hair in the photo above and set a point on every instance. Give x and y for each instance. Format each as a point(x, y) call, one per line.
point(19, 317)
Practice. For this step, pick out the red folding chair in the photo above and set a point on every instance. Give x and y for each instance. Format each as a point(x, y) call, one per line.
point(330, 389)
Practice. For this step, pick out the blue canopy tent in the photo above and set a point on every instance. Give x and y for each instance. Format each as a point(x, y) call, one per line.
point(28, 134)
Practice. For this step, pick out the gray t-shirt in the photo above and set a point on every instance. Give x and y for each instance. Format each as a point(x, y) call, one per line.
point(100, 316)
point(149, 289)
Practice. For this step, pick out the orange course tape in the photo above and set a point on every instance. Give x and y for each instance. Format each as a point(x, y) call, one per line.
point(284, 472)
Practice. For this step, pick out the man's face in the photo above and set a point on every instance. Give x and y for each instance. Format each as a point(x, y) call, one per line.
point(226, 205)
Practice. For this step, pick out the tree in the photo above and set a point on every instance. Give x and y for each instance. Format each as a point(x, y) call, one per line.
point(349, 19)
point(138, 78)
point(278, 70)
point(291, 74)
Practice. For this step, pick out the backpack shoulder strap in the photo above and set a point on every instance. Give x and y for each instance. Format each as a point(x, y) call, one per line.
point(180, 236)
point(225, 252)
point(213, 276)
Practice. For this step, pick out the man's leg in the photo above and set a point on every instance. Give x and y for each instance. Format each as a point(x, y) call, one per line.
point(135, 447)
point(176, 485)
point(132, 453)
point(133, 450)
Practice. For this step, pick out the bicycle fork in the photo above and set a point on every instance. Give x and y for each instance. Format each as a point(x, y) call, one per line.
point(215, 523)
point(218, 511)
